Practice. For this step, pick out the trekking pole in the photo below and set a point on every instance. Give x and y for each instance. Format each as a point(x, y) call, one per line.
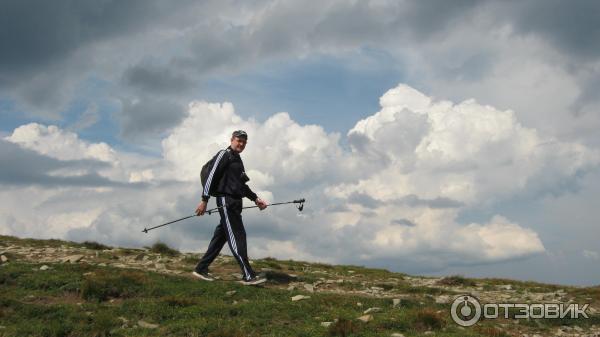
point(299, 201)
point(145, 230)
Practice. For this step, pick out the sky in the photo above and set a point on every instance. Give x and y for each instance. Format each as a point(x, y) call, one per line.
point(428, 137)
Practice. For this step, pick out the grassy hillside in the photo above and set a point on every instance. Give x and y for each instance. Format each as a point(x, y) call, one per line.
point(58, 288)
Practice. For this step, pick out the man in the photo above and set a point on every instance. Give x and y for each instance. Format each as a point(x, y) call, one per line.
point(227, 172)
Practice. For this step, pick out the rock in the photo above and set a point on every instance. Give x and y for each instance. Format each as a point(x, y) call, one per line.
point(160, 266)
point(443, 299)
point(358, 304)
point(230, 293)
point(309, 287)
point(365, 318)
point(396, 334)
point(373, 309)
point(505, 286)
point(147, 325)
point(395, 302)
point(3, 258)
point(326, 324)
point(73, 258)
point(44, 267)
point(299, 297)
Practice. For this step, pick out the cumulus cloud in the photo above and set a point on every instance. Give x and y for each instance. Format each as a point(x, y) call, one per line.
point(58, 185)
point(58, 143)
point(26, 167)
point(45, 64)
point(591, 254)
point(395, 193)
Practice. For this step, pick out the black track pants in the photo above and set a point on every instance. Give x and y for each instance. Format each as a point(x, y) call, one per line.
point(230, 230)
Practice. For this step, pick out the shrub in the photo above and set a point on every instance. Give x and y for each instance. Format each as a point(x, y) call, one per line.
point(95, 245)
point(428, 319)
point(109, 284)
point(456, 280)
point(177, 301)
point(343, 327)
point(162, 248)
point(103, 322)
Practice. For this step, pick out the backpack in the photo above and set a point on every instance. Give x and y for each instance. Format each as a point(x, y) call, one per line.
point(205, 172)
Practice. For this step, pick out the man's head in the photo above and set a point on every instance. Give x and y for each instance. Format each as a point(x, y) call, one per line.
point(238, 140)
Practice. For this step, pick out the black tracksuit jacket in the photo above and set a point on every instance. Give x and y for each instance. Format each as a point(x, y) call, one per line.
point(229, 175)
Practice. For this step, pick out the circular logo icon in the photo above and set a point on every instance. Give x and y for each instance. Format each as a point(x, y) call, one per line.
point(465, 310)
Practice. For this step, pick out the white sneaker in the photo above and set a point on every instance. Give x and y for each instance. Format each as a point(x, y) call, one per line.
point(254, 281)
point(203, 276)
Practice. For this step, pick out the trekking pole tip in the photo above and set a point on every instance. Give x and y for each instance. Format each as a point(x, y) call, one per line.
point(145, 230)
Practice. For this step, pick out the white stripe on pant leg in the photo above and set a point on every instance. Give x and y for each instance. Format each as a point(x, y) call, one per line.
point(232, 240)
point(212, 172)
point(229, 229)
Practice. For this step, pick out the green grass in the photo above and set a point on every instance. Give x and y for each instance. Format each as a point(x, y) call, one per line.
point(83, 300)
point(88, 300)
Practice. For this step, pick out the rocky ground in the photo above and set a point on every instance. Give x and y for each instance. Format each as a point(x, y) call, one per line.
point(317, 278)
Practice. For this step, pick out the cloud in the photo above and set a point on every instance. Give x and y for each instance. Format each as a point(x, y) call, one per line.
point(404, 222)
point(146, 115)
point(395, 193)
point(54, 183)
point(521, 53)
point(26, 167)
point(39, 39)
point(432, 158)
point(60, 144)
point(572, 27)
point(152, 78)
point(590, 254)
point(88, 118)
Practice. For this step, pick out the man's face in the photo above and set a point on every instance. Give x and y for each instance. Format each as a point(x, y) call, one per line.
point(238, 144)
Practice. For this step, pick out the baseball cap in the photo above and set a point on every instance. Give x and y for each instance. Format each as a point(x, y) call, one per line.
point(240, 134)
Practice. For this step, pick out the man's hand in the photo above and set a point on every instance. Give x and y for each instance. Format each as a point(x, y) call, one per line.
point(201, 208)
point(261, 203)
